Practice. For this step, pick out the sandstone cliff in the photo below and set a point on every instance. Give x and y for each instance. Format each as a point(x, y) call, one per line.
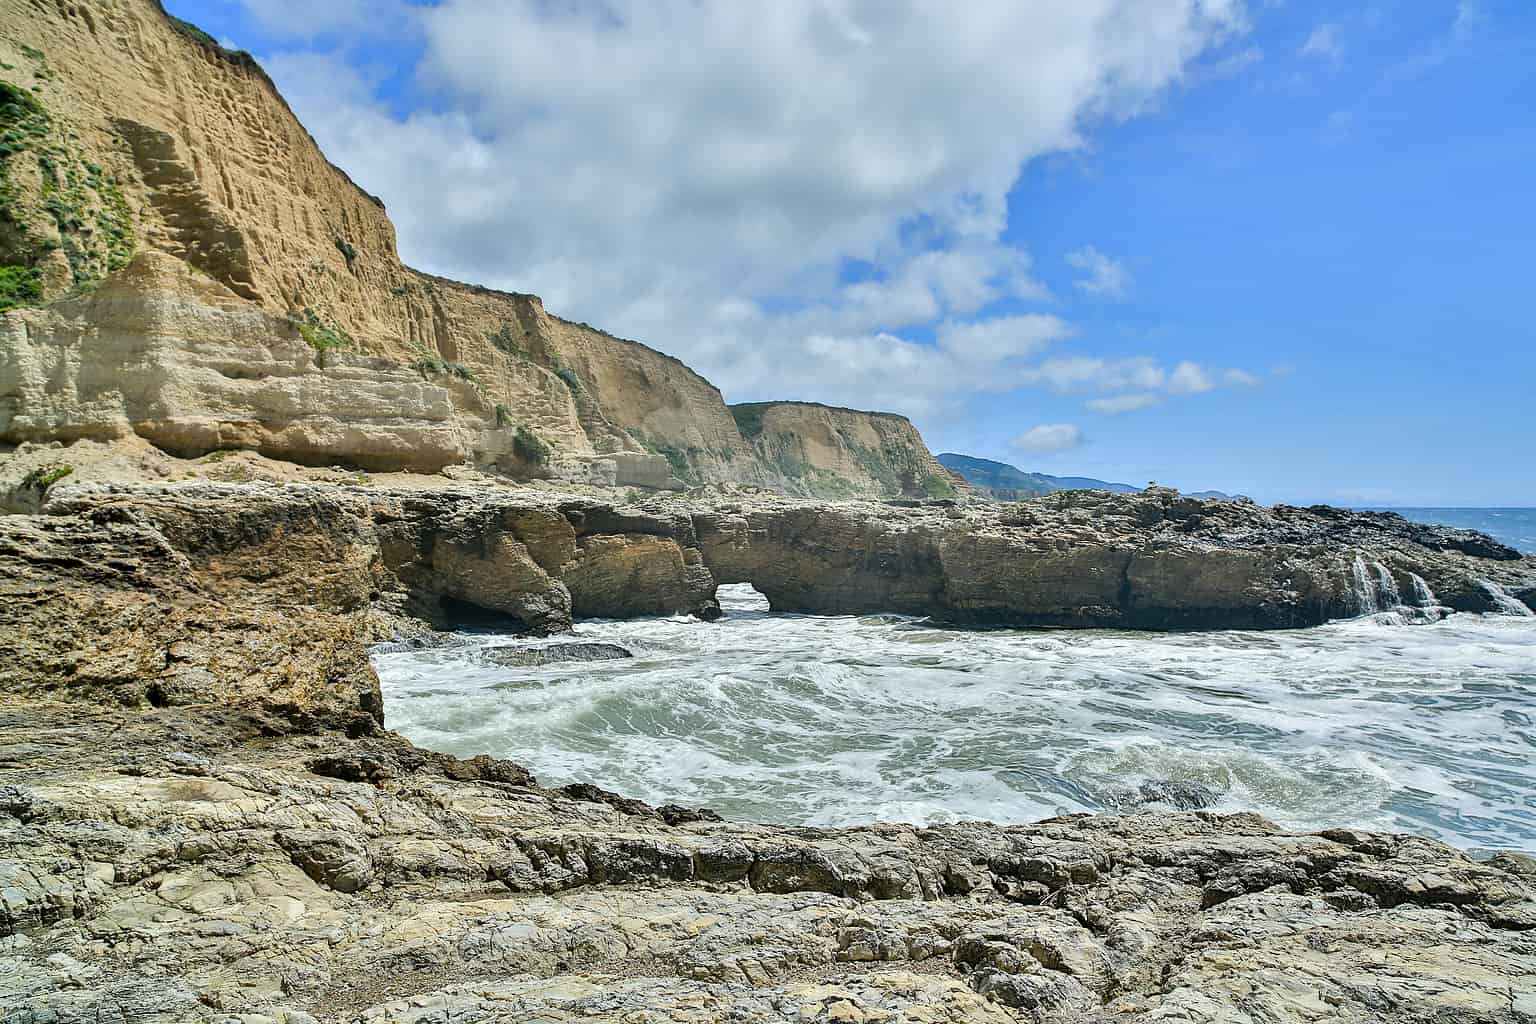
point(824, 451)
point(224, 286)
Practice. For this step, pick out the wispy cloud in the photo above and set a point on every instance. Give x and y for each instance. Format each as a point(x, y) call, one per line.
point(1122, 404)
point(1104, 276)
point(1325, 43)
point(1048, 437)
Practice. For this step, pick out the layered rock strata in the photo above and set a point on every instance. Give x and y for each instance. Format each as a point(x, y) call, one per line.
point(208, 280)
point(174, 865)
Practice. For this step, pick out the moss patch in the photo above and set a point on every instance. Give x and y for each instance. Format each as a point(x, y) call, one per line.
point(321, 335)
point(936, 486)
point(680, 457)
point(749, 418)
point(506, 339)
point(429, 365)
point(570, 378)
point(44, 477)
point(530, 447)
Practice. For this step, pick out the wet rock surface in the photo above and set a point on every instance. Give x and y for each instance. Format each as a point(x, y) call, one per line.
point(522, 657)
point(191, 872)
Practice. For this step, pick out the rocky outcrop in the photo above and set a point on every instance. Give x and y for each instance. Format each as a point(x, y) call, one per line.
point(162, 598)
point(201, 818)
point(168, 863)
point(236, 572)
point(538, 563)
point(827, 452)
point(266, 597)
point(1152, 560)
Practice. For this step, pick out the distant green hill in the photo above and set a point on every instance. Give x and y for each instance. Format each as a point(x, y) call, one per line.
point(1013, 483)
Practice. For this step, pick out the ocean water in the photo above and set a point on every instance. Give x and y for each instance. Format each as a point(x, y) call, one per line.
point(838, 720)
point(1514, 526)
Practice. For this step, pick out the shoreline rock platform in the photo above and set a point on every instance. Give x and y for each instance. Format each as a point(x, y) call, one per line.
point(203, 818)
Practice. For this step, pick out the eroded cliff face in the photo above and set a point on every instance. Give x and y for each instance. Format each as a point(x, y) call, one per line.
point(824, 451)
point(167, 354)
point(228, 287)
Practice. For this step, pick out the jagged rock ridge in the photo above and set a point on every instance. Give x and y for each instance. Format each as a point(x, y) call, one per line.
point(179, 595)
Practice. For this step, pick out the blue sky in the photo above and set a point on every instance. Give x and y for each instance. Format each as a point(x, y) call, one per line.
point(1276, 248)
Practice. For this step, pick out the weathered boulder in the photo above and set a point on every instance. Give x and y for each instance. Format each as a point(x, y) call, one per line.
point(538, 560)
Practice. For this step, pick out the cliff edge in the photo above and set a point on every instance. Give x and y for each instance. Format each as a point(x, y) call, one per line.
point(823, 451)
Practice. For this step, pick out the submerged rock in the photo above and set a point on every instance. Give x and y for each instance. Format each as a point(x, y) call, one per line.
point(1183, 796)
point(527, 657)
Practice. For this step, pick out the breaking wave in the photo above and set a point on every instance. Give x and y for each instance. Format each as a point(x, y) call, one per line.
point(839, 720)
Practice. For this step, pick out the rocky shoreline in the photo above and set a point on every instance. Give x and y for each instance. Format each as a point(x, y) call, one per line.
point(162, 595)
point(204, 818)
point(202, 815)
point(209, 864)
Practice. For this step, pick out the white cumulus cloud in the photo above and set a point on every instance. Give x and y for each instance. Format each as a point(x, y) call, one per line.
point(1190, 379)
point(775, 193)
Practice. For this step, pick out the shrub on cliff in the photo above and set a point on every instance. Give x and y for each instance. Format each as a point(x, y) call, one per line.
point(19, 286)
point(429, 365)
point(936, 486)
point(321, 336)
point(530, 447)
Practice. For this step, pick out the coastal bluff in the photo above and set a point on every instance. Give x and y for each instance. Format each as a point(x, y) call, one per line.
point(182, 264)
